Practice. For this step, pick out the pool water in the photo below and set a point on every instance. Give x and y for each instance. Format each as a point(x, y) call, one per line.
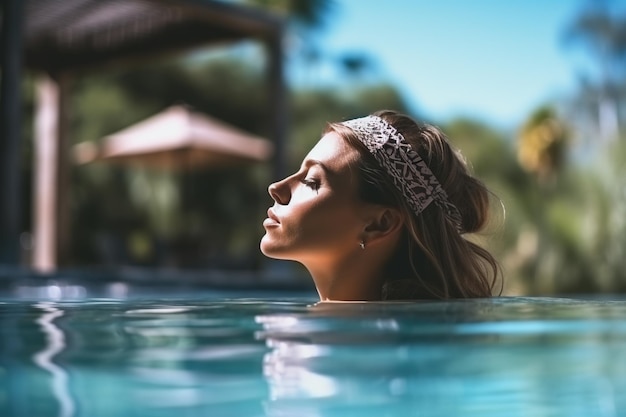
point(206, 355)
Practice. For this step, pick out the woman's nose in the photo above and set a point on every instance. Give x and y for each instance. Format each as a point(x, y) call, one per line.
point(279, 192)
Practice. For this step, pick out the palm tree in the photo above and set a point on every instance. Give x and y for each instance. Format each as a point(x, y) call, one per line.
point(542, 144)
point(541, 148)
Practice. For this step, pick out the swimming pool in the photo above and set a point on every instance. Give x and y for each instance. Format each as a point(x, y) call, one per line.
point(218, 354)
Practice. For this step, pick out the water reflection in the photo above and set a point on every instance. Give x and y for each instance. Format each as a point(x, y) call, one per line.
point(244, 358)
point(484, 359)
point(55, 344)
point(193, 358)
point(53, 291)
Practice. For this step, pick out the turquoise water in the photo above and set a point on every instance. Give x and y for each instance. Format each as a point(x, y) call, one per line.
point(206, 355)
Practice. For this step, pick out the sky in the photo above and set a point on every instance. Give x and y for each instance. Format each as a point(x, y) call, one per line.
point(496, 60)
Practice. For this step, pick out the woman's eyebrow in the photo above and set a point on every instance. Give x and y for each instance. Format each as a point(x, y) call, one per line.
point(310, 162)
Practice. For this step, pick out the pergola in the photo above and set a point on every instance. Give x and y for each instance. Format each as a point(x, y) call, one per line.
point(60, 39)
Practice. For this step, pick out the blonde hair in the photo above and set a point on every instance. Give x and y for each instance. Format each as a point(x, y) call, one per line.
point(433, 259)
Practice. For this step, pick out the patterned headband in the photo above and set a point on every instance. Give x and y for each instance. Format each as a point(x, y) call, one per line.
point(407, 169)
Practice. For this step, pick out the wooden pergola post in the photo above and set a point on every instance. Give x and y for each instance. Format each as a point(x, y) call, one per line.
point(45, 174)
point(10, 124)
point(50, 187)
point(57, 44)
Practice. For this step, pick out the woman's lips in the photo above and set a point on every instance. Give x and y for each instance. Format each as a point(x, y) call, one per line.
point(271, 220)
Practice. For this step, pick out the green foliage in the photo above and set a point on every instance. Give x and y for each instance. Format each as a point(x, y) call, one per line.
point(487, 150)
point(313, 109)
point(196, 219)
point(190, 219)
point(108, 100)
point(310, 14)
point(562, 235)
point(601, 32)
point(610, 239)
point(559, 236)
point(229, 89)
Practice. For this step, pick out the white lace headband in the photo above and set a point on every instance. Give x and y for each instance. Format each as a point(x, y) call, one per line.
point(407, 169)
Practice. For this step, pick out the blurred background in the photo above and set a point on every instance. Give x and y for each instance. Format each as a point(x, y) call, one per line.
point(533, 93)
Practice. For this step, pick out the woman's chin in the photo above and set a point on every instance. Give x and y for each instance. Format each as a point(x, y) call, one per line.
point(268, 248)
point(274, 251)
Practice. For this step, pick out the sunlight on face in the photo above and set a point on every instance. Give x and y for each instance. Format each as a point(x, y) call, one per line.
point(316, 214)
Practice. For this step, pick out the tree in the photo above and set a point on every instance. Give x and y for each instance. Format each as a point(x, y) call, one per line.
point(304, 17)
point(542, 144)
point(603, 35)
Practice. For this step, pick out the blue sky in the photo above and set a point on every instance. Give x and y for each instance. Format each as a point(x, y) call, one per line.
point(492, 59)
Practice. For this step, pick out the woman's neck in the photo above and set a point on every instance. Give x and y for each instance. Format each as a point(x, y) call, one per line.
point(351, 281)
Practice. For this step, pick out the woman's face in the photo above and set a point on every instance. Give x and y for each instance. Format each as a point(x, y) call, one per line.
point(316, 213)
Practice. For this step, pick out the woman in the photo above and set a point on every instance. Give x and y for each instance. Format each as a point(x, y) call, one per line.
point(379, 210)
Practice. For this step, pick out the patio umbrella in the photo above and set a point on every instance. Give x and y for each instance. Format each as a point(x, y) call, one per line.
point(179, 139)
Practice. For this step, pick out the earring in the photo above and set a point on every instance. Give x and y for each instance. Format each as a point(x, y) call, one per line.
point(362, 244)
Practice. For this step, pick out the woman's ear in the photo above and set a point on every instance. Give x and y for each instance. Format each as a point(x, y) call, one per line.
point(384, 223)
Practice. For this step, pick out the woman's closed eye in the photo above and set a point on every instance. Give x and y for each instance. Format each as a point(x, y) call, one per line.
point(311, 183)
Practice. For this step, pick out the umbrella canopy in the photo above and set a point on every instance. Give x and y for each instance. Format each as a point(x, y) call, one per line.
point(177, 138)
